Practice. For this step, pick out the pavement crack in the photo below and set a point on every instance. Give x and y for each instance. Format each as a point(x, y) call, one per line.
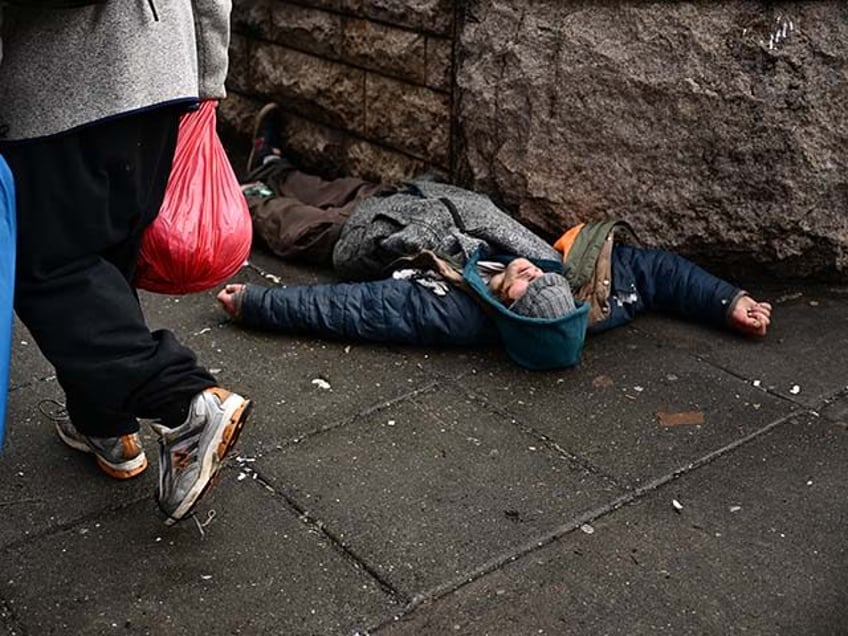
point(376, 408)
point(832, 399)
point(59, 528)
point(319, 527)
point(628, 497)
point(18, 502)
point(731, 372)
point(352, 419)
point(546, 441)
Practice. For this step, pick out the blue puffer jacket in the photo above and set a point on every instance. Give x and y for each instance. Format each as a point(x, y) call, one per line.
point(402, 311)
point(396, 311)
point(646, 280)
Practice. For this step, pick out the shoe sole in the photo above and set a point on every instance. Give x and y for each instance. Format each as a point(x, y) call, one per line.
point(267, 108)
point(124, 470)
point(213, 461)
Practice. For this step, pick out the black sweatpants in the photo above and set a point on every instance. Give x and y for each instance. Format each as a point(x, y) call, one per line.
point(84, 199)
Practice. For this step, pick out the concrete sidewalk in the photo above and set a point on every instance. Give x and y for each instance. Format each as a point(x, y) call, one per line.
point(401, 491)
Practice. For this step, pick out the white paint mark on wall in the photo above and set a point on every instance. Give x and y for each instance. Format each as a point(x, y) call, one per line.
point(785, 26)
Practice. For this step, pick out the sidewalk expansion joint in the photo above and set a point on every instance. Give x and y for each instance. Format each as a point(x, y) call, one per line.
point(376, 408)
point(352, 419)
point(319, 527)
point(576, 459)
point(833, 398)
point(69, 525)
point(800, 406)
point(498, 562)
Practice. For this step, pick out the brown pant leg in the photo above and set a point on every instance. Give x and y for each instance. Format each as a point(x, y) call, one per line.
point(302, 220)
point(293, 230)
point(338, 193)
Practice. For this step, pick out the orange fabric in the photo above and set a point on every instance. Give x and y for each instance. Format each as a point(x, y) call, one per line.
point(566, 241)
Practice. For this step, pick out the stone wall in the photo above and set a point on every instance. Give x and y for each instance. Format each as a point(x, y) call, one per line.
point(367, 85)
point(718, 129)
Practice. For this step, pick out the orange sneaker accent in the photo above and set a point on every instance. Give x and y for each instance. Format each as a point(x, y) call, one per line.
point(233, 429)
point(221, 394)
point(119, 457)
point(130, 446)
point(121, 474)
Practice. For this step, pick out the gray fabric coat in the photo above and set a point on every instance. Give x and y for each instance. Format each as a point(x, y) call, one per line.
point(65, 68)
point(445, 219)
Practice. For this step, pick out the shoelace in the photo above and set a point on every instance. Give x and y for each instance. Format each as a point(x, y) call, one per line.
point(57, 413)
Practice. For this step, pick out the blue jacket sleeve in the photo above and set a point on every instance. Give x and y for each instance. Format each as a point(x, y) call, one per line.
point(390, 311)
point(655, 280)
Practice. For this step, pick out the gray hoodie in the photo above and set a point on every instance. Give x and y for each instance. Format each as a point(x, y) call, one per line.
point(65, 68)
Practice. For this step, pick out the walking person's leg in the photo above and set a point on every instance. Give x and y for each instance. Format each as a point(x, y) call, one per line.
point(84, 200)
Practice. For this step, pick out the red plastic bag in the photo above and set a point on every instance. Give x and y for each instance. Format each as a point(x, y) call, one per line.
point(203, 232)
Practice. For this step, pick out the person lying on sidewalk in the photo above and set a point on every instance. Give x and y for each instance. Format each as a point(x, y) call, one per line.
point(403, 247)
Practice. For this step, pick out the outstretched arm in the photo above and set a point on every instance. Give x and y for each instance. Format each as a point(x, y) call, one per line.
point(668, 282)
point(389, 311)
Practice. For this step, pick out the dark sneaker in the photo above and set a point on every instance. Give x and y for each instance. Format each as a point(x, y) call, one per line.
point(267, 136)
point(119, 457)
point(191, 454)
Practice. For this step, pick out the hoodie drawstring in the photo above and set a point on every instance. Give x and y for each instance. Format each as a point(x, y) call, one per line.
point(153, 9)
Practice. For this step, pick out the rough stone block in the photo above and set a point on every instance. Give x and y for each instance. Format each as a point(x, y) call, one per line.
point(435, 16)
point(370, 161)
point(717, 128)
point(237, 112)
point(398, 52)
point(317, 148)
point(239, 74)
point(329, 5)
point(248, 16)
point(235, 127)
point(408, 117)
point(439, 63)
point(304, 28)
point(323, 90)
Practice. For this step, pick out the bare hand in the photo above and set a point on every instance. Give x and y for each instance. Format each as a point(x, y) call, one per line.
point(230, 299)
point(751, 317)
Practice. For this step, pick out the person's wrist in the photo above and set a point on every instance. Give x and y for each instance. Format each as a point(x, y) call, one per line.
point(735, 302)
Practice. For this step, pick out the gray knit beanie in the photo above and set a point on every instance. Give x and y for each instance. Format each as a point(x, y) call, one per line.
point(549, 296)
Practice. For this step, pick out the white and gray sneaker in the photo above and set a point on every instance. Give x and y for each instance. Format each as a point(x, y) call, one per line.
point(191, 454)
point(120, 457)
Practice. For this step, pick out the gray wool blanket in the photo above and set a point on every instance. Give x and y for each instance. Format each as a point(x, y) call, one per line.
point(450, 221)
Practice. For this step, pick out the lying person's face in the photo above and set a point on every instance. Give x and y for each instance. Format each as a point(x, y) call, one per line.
point(511, 284)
